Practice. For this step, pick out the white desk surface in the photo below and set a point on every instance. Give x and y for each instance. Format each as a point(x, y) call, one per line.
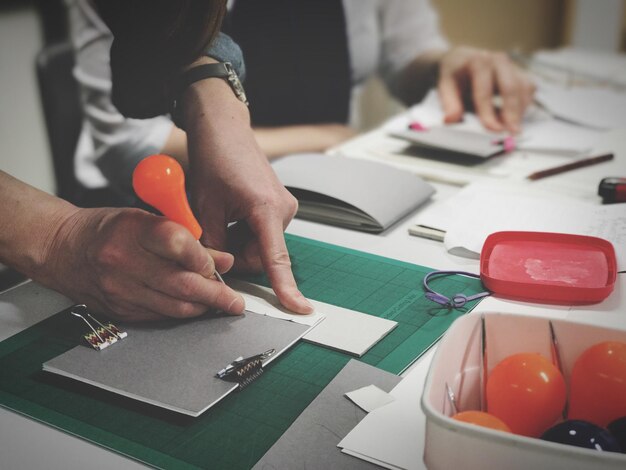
point(27, 444)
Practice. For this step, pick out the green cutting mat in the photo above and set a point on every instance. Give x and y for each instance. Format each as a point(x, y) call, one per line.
point(236, 432)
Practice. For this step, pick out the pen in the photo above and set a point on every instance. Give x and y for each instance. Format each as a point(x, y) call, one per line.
point(570, 166)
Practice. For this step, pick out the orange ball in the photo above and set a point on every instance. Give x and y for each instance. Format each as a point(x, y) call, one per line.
point(480, 418)
point(598, 384)
point(527, 392)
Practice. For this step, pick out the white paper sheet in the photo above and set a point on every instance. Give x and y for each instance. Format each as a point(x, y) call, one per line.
point(342, 329)
point(595, 107)
point(479, 213)
point(582, 65)
point(369, 398)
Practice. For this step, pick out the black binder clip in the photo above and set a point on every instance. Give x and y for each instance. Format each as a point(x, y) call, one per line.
point(101, 336)
point(244, 371)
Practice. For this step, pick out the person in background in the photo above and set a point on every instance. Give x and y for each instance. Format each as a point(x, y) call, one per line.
point(133, 265)
point(305, 61)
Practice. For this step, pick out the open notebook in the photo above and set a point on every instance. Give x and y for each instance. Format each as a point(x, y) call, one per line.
point(351, 193)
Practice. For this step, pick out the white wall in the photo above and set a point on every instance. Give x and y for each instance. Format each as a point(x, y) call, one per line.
point(597, 24)
point(23, 141)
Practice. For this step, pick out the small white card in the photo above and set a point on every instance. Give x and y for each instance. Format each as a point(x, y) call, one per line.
point(369, 398)
point(342, 329)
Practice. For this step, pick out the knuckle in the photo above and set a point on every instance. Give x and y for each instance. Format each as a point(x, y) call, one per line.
point(185, 309)
point(174, 238)
point(186, 287)
point(292, 206)
point(109, 288)
point(508, 87)
point(281, 258)
point(108, 255)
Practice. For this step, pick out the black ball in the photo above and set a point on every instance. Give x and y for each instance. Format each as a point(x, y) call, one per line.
point(582, 434)
point(617, 429)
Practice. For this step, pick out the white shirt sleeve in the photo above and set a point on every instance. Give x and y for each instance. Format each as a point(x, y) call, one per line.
point(385, 35)
point(408, 28)
point(110, 144)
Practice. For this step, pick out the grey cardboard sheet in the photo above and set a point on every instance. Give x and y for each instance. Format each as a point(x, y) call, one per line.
point(454, 140)
point(173, 364)
point(311, 441)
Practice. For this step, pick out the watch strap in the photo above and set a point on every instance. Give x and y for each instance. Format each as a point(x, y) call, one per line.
point(222, 70)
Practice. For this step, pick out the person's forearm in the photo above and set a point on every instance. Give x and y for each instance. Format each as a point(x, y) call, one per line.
point(419, 76)
point(176, 146)
point(30, 220)
point(279, 141)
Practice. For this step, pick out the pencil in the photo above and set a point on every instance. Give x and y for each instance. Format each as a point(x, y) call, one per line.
point(570, 166)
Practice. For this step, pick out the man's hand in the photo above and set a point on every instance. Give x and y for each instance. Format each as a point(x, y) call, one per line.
point(136, 266)
point(465, 71)
point(232, 181)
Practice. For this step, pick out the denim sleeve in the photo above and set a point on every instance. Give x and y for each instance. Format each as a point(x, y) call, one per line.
point(224, 49)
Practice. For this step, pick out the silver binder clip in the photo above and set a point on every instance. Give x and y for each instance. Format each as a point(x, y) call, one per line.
point(101, 336)
point(244, 371)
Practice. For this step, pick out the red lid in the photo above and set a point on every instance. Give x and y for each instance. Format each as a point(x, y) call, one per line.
point(548, 267)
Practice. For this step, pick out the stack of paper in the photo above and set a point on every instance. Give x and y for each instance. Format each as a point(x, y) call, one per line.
point(173, 364)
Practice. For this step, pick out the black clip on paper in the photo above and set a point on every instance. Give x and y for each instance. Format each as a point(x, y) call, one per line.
point(244, 371)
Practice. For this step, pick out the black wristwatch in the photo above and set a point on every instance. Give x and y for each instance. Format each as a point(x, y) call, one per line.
point(224, 70)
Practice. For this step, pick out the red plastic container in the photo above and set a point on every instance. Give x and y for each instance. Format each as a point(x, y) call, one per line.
point(554, 268)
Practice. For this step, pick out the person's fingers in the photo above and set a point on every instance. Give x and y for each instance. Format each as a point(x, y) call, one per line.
point(173, 242)
point(190, 292)
point(243, 243)
point(510, 88)
point(118, 310)
point(481, 76)
point(529, 91)
point(277, 263)
point(223, 261)
point(214, 233)
point(149, 301)
point(451, 98)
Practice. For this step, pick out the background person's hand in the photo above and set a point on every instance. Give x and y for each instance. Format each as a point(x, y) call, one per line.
point(136, 266)
point(232, 181)
point(481, 74)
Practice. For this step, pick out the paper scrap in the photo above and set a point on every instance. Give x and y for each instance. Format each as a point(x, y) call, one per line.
point(369, 398)
point(392, 436)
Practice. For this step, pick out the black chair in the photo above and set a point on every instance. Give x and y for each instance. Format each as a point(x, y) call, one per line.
point(62, 112)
